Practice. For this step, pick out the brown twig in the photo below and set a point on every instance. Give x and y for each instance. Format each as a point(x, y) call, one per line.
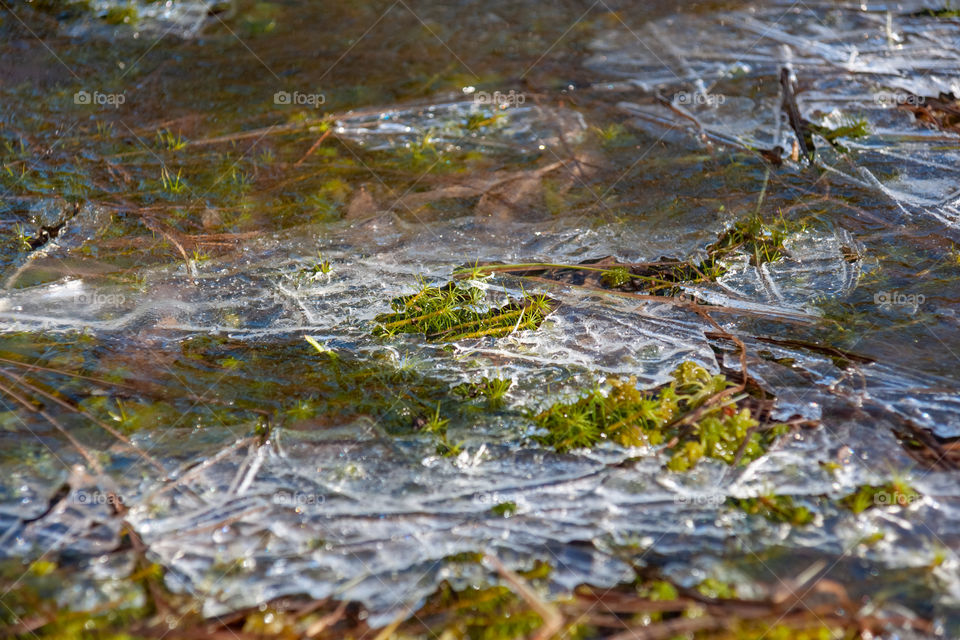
point(551, 616)
point(313, 147)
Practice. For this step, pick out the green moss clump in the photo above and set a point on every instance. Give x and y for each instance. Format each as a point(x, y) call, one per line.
point(478, 613)
point(891, 494)
point(774, 508)
point(663, 279)
point(493, 389)
point(314, 270)
point(504, 509)
point(763, 242)
point(456, 312)
point(713, 588)
point(616, 277)
point(850, 128)
point(437, 425)
point(631, 417)
point(658, 591)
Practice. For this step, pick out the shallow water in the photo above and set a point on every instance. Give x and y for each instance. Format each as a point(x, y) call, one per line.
point(175, 287)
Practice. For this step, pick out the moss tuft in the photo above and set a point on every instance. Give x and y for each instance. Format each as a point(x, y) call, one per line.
point(631, 417)
point(774, 508)
point(892, 494)
point(457, 311)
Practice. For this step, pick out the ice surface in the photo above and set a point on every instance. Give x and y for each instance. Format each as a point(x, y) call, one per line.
point(722, 72)
point(180, 18)
point(514, 129)
point(351, 512)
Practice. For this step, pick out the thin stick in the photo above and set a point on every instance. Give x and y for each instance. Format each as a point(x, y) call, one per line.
point(313, 147)
point(106, 427)
point(551, 616)
point(25, 403)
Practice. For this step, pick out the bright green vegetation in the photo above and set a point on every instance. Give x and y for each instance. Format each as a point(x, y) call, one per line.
point(482, 613)
point(314, 270)
point(713, 588)
point(662, 278)
point(852, 128)
point(457, 311)
point(691, 415)
point(895, 493)
point(492, 389)
point(774, 508)
point(437, 425)
point(170, 142)
point(762, 241)
point(504, 509)
point(849, 128)
point(658, 591)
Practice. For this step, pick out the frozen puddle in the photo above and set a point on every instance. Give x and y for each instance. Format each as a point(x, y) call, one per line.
point(720, 75)
point(354, 513)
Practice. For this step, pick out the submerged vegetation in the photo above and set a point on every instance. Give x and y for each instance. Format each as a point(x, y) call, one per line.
point(760, 240)
point(784, 509)
point(775, 508)
point(493, 390)
point(754, 237)
point(458, 311)
point(849, 128)
point(896, 493)
point(693, 415)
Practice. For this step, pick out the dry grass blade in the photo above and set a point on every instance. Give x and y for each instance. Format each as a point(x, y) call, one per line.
point(552, 618)
point(106, 427)
point(319, 626)
point(26, 404)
